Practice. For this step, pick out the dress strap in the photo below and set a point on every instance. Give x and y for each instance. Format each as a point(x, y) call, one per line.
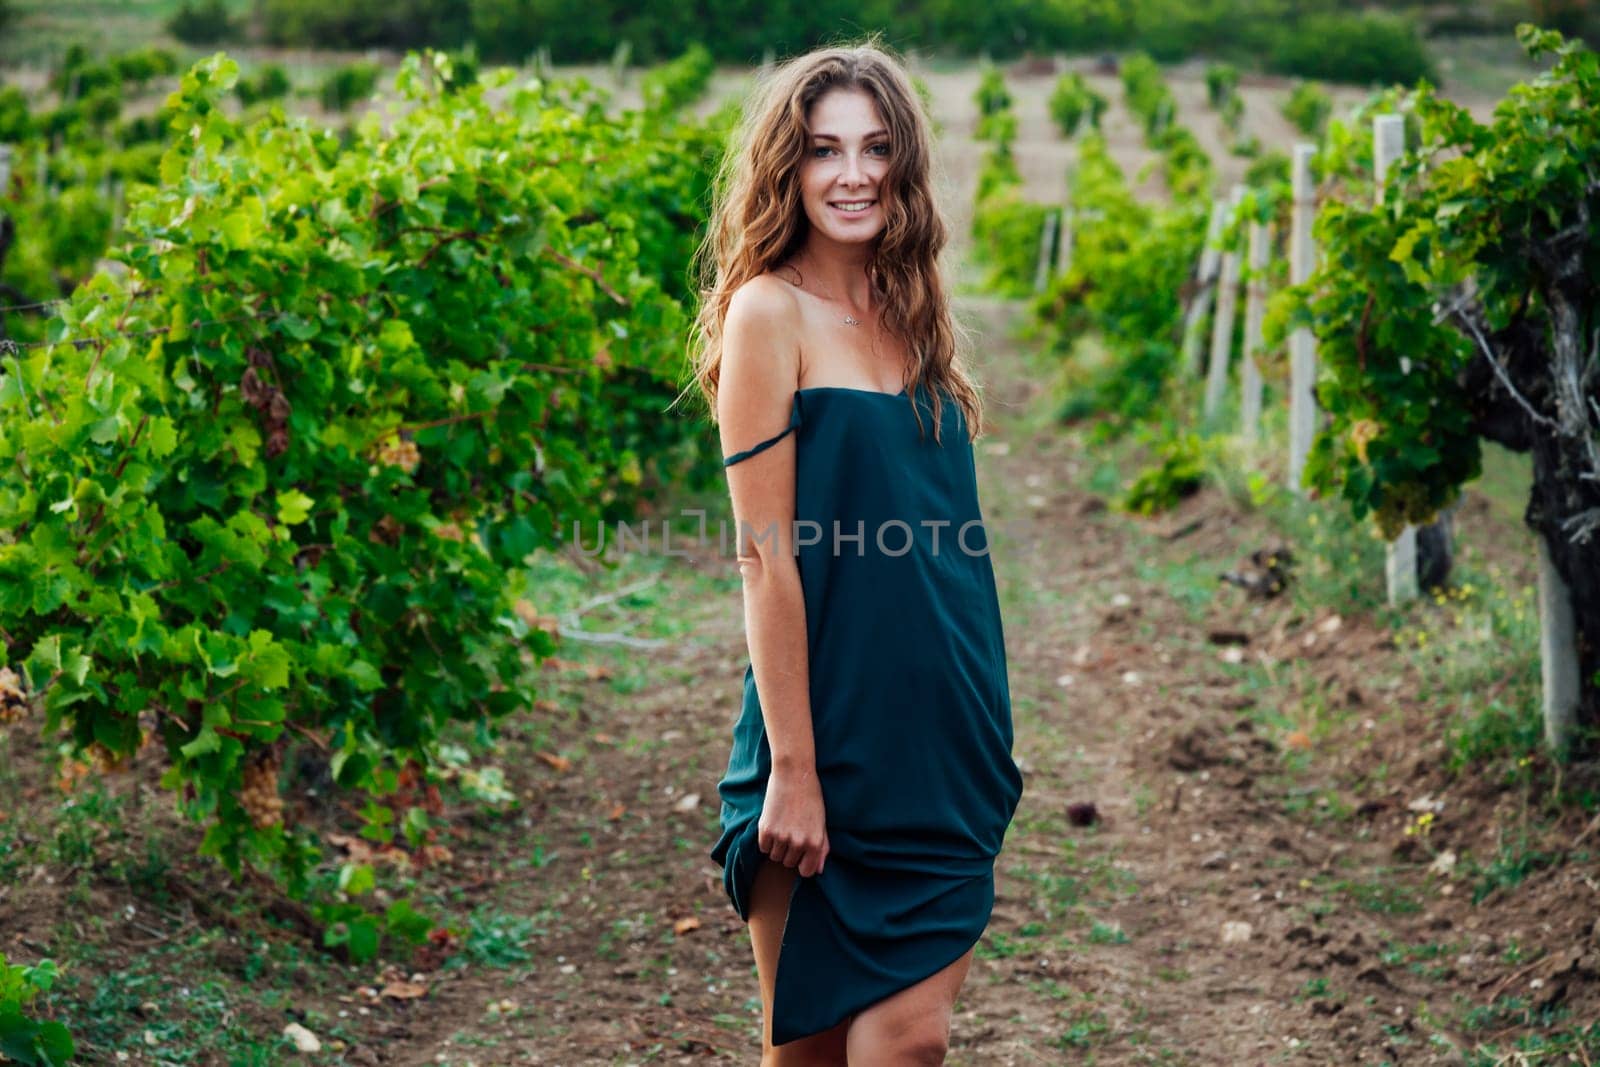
point(794, 421)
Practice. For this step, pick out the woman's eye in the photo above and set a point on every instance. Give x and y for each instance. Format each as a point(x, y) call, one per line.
point(825, 148)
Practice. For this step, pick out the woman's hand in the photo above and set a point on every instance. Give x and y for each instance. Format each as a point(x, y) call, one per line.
point(793, 828)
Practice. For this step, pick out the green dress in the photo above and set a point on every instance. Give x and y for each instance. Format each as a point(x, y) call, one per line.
point(910, 709)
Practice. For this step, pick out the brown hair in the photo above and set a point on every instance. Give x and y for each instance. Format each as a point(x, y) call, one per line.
point(757, 221)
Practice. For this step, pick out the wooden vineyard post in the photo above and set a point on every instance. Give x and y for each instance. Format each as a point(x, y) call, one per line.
point(1560, 677)
point(1064, 241)
point(5, 168)
point(1205, 285)
point(1255, 311)
point(620, 57)
point(1222, 324)
point(1400, 564)
point(1302, 343)
point(1047, 238)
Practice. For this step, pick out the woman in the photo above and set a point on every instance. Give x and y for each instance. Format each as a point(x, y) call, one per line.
point(870, 782)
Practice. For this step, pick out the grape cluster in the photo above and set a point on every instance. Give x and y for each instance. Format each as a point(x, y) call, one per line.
point(13, 701)
point(399, 452)
point(257, 388)
point(259, 794)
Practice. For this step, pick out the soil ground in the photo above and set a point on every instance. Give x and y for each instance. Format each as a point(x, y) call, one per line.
point(1268, 878)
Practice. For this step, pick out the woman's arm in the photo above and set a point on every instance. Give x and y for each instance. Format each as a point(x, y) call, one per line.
point(755, 397)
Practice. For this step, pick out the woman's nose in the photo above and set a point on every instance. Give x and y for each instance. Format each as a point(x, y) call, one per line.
point(853, 174)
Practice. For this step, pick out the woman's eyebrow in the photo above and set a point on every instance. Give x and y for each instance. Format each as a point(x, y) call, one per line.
point(831, 137)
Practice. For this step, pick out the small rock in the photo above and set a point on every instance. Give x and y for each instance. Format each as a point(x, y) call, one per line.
point(1443, 864)
point(687, 802)
point(302, 1039)
point(1425, 803)
point(1236, 933)
point(1215, 860)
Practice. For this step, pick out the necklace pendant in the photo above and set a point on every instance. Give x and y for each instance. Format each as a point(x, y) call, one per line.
point(849, 321)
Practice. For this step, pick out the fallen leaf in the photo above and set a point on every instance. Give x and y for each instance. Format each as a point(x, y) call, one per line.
point(560, 763)
point(683, 926)
point(404, 990)
point(1299, 739)
point(616, 812)
point(434, 856)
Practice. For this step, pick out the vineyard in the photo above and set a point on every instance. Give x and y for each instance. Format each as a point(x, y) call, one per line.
point(339, 724)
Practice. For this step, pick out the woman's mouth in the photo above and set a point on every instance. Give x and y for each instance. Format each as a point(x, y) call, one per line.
point(852, 207)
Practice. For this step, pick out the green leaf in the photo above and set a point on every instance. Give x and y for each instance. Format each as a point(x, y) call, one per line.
point(415, 827)
point(299, 327)
point(294, 507)
point(363, 940)
point(209, 741)
point(405, 922)
point(356, 879)
point(269, 659)
point(363, 675)
point(55, 1045)
point(240, 227)
point(105, 431)
point(162, 437)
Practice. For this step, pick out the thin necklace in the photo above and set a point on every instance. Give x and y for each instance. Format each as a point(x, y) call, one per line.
point(849, 320)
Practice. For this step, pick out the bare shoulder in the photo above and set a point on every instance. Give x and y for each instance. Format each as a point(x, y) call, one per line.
point(765, 301)
point(760, 337)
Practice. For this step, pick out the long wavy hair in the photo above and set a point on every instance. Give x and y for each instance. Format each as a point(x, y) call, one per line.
point(757, 220)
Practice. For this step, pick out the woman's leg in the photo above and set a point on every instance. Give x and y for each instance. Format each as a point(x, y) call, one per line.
point(912, 1027)
point(769, 910)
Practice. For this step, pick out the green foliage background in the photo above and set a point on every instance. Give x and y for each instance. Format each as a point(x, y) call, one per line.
point(209, 516)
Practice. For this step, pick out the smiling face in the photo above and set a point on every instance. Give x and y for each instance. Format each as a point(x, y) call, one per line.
point(846, 159)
